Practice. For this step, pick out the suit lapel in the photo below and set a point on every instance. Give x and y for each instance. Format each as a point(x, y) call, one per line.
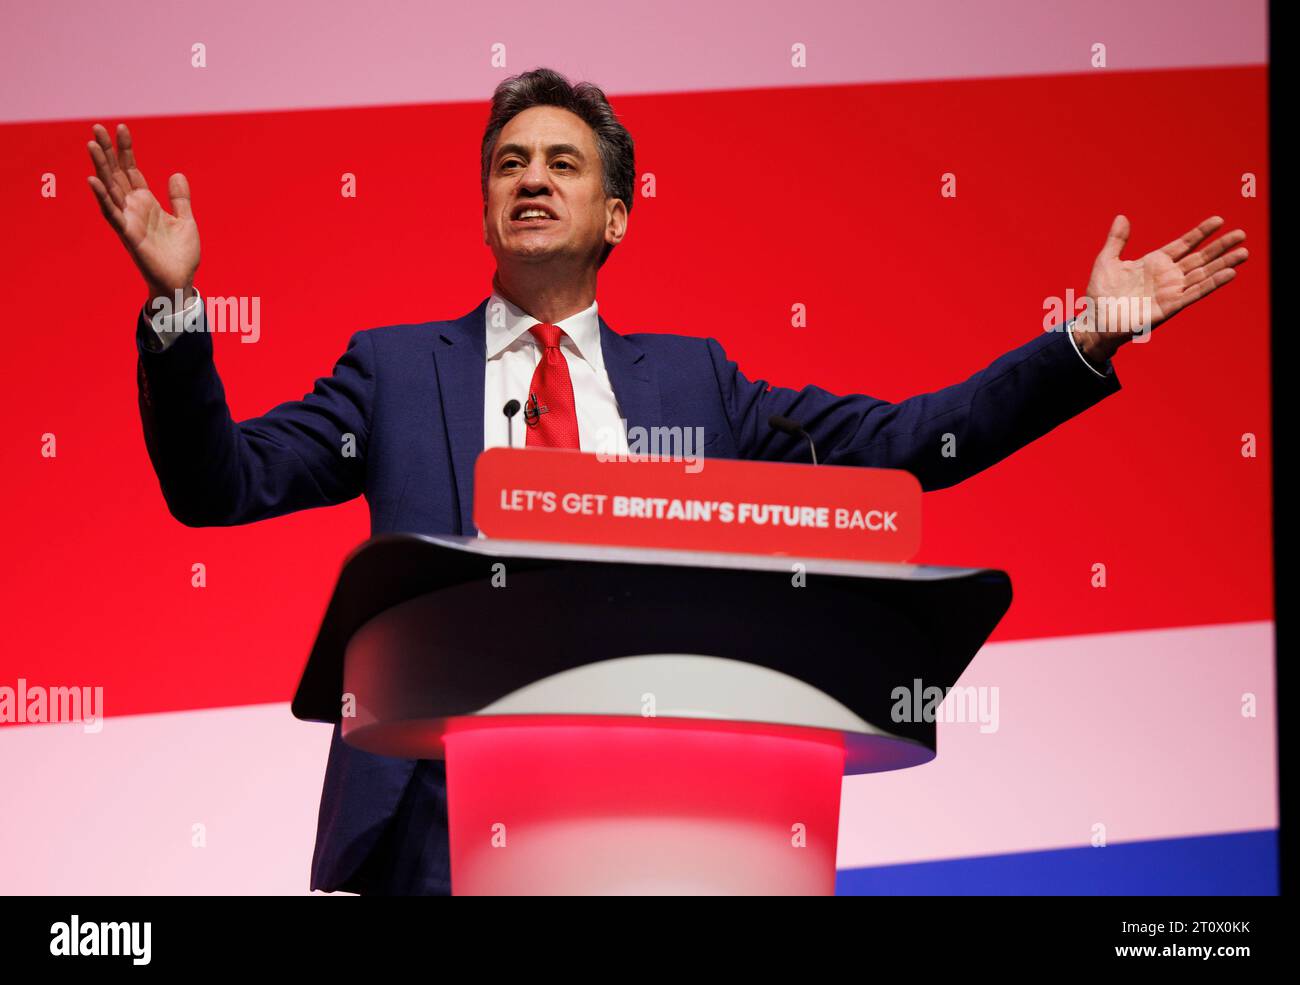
point(635, 384)
point(460, 355)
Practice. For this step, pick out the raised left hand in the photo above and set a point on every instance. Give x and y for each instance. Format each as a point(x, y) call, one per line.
point(1131, 297)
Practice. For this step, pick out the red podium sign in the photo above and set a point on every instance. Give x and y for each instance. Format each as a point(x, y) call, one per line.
point(710, 504)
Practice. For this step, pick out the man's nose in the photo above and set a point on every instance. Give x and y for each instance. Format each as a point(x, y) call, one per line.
point(536, 178)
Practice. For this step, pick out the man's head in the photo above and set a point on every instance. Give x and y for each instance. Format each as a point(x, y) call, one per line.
point(557, 148)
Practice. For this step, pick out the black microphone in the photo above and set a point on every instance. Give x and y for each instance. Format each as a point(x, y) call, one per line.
point(510, 410)
point(533, 410)
point(794, 429)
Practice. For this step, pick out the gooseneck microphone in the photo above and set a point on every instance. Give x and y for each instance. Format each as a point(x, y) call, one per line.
point(510, 410)
point(795, 430)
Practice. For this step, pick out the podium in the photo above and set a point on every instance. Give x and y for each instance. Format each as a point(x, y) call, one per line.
point(637, 720)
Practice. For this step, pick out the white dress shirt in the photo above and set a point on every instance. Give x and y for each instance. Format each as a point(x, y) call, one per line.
point(512, 357)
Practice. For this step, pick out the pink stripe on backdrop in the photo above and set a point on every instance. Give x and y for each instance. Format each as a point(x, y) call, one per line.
point(1142, 732)
point(65, 60)
point(113, 812)
point(1139, 731)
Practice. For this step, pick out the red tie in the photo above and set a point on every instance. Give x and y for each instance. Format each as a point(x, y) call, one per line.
point(549, 412)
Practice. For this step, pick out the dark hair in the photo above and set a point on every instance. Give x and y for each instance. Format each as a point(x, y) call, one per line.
point(546, 87)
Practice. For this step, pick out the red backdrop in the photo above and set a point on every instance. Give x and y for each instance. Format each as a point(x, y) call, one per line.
point(825, 196)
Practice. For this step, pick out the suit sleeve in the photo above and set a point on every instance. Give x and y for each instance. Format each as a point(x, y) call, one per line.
point(215, 471)
point(941, 437)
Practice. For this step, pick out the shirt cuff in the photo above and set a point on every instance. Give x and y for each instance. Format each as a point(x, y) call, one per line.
point(1069, 328)
point(168, 326)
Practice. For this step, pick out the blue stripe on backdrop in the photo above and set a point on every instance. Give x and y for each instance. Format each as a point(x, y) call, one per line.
point(1239, 864)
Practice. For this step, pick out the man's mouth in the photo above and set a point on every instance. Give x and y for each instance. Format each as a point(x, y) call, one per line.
point(531, 215)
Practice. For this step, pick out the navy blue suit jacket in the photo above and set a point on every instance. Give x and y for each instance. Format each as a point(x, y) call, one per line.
point(413, 396)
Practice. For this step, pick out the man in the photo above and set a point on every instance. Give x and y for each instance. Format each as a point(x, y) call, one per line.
point(416, 404)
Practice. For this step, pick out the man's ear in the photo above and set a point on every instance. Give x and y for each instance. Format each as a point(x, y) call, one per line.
point(615, 221)
point(485, 238)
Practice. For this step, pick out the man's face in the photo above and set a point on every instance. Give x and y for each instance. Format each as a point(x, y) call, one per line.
point(546, 160)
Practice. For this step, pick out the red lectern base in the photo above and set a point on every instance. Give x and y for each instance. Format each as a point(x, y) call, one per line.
point(585, 805)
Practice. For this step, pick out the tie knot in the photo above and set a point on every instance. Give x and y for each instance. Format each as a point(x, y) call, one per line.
point(547, 335)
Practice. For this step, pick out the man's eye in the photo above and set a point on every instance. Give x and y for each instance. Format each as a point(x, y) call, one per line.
point(563, 164)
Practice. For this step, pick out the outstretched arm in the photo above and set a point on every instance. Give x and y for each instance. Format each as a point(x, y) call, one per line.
point(954, 433)
point(215, 471)
point(212, 470)
point(941, 437)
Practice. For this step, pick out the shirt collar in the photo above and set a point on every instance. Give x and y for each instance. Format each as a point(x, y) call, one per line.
point(506, 324)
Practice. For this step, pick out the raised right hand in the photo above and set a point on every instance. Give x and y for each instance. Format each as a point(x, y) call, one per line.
point(165, 246)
